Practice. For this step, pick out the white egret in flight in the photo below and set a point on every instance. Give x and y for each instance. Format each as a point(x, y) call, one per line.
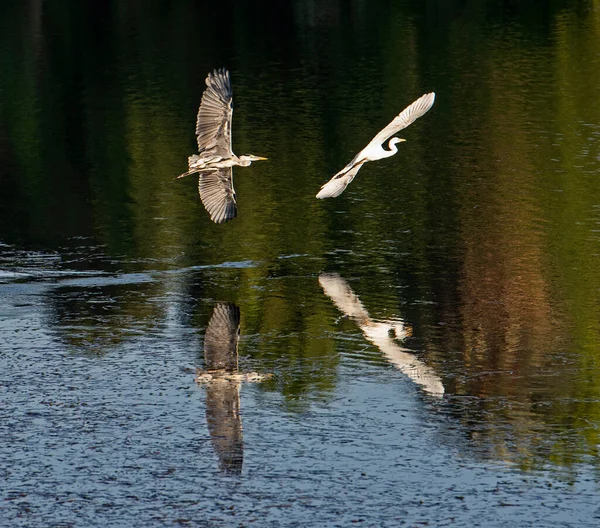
point(215, 157)
point(374, 150)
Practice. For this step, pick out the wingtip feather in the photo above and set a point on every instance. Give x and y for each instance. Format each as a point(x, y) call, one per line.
point(332, 189)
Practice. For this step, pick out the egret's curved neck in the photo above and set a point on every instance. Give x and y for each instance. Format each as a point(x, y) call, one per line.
point(393, 148)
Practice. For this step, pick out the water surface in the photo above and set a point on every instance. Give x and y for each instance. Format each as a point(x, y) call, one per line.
point(433, 333)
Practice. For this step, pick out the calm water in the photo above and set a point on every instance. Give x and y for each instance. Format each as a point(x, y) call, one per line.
point(433, 334)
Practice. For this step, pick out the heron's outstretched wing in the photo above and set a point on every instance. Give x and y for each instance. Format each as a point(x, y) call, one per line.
point(221, 338)
point(339, 291)
point(340, 181)
point(213, 125)
point(218, 195)
point(409, 115)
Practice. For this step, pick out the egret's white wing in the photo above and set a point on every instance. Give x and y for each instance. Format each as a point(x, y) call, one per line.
point(409, 115)
point(339, 291)
point(213, 124)
point(218, 195)
point(340, 181)
point(221, 338)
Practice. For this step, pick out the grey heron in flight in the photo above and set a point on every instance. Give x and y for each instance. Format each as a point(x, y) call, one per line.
point(215, 157)
point(374, 150)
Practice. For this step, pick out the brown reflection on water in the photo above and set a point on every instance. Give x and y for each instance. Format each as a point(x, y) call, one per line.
point(524, 368)
point(223, 386)
point(507, 312)
point(223, 382)
point(225, 424)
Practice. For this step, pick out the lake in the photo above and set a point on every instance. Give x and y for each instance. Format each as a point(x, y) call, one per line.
point(422, 350)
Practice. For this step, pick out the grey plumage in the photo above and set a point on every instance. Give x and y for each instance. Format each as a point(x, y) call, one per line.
point(213, 124)
point(215, 157)
point(218, 195)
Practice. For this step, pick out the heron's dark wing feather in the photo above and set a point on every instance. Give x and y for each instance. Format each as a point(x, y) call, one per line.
point(340, 181)
point(213, 125)
point(221, 338)
point(409, 115)
point(218, 195)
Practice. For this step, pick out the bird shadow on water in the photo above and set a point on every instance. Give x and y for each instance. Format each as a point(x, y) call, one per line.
point(223, 381)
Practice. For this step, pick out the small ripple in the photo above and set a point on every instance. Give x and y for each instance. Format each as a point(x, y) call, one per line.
point(224, 265)
point(94, 281)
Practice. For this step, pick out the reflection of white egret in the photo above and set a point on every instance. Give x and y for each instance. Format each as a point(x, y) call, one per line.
point(374, 150)
point(215, 157)
point(223, 383)
point(381, 333)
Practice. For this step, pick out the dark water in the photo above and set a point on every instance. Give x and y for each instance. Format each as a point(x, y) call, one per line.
point(433, 334)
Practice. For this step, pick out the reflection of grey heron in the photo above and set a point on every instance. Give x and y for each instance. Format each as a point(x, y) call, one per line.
point(223, 395)
point(381, 333)
point(223, 383)
point(374, 150)
point(221, 338)
point(215, 157)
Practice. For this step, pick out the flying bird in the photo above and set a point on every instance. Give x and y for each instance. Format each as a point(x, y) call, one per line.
point(215, 157)
point(374, 150)
point(381, 333)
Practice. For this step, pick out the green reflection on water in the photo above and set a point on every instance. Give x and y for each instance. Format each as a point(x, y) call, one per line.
point(481, 233)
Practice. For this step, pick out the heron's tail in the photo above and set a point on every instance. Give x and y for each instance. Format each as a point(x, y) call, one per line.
point(339, 182)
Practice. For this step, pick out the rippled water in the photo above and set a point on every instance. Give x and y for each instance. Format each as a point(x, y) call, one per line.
point(422, 349)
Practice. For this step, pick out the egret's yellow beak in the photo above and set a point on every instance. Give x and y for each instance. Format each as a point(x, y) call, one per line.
point(261, 158)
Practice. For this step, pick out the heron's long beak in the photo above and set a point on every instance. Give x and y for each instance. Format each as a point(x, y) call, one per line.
point(184, 174)
point(402, 139)
point(261, 158)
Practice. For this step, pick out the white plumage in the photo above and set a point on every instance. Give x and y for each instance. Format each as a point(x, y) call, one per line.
point(374, 150)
